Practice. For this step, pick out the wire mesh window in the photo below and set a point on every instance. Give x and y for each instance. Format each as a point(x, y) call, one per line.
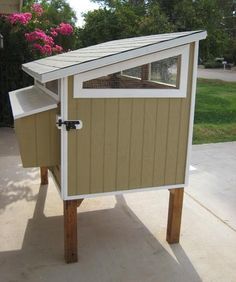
point(52, 86)
point(163, 74)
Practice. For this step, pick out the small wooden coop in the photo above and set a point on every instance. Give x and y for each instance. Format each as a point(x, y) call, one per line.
point(112, 118)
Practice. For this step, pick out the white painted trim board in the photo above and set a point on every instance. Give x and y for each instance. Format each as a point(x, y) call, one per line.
point(183, 51)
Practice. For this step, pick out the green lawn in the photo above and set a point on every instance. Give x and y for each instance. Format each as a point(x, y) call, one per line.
point(215, 113)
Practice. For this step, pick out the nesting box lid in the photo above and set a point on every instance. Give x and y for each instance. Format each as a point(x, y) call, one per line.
point(30, 100)
point(107, 53)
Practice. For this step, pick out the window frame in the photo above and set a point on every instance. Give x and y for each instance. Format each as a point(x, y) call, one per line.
point(180, 92)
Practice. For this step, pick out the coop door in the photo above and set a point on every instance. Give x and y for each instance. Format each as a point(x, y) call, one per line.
point(162, 74)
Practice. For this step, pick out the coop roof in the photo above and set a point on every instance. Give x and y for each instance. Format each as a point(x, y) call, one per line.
point(107, 53)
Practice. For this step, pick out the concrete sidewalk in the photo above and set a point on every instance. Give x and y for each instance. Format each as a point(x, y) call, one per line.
point(121, 239)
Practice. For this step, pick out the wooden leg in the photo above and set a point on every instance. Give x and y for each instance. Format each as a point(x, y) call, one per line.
point(70, 231)
point(174, 215)
point(44, 175)
point(79, 202)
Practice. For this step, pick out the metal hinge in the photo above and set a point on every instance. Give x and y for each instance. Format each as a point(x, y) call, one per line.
point(70, 124)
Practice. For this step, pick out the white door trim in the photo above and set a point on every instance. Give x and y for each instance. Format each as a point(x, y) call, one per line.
point(64, 138)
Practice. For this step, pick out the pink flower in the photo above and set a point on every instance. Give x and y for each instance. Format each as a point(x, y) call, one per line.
point(57, 49)
point(49, 40)
point(39, 35)
point(22, 18)
point(46, 50)
point(38, 47)
point(37, 9)
point(53, 33)
point(64, 29)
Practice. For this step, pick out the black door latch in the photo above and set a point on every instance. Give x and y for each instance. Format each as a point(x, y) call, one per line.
point(70, 124)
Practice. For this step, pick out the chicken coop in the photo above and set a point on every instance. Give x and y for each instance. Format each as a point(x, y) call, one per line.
point(111, 118)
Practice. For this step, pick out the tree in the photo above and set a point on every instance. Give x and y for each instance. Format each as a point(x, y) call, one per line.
point(121, 19)
point(55, 11)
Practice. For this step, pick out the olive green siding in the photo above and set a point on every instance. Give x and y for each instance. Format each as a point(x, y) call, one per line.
point(39, 139)
point(127, 143)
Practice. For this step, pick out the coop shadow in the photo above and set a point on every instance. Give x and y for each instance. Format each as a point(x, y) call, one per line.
point(110, 241)
point(16, 185)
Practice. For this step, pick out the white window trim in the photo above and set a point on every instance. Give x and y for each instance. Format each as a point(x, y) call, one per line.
point(183, 51)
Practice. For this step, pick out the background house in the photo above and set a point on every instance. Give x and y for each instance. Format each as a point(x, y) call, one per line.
point(10, 6)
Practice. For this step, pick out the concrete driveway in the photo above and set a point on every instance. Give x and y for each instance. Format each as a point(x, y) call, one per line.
point(226, 75)
point(121, 239)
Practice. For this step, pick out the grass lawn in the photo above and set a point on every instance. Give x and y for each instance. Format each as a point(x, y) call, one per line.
point(215, 112)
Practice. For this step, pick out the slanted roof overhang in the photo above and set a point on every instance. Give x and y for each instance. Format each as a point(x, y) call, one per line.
point(112, 52)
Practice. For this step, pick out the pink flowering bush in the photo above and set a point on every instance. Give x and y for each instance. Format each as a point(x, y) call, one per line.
point(22, 18)
point(41, 41)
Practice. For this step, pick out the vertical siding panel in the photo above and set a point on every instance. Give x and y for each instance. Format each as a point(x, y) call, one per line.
point(161, 139)
point(72, 163)
point(26, 133)
point(43, 137)
point(123, 143)
point(110, 157)
point(54, 138)
point(182, 143)
point(83, 147)
point(136, 143)
point(97, 145)
point(72, 146)
point(172, 141)
point(149, 142)
point(184, 124)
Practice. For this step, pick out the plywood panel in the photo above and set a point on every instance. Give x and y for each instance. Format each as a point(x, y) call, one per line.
point(83, 155)
point(38, 139)
point(172, 141)
point(97, 145)
point(161, 142)
point(148, 142)
point(136, 143)
point(72, 163)
point(110, 146)
point(123, 147)
point(26, 134)
point(55, 138)
point(43, 127)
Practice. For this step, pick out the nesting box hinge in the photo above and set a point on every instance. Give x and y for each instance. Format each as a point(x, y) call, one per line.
point(69, 124)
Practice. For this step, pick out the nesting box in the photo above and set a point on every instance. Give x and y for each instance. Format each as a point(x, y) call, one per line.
point(111, 118)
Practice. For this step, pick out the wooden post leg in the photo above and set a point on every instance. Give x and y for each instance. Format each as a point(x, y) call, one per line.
point(70, 231)
point(174, 215)
point(44, 175)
